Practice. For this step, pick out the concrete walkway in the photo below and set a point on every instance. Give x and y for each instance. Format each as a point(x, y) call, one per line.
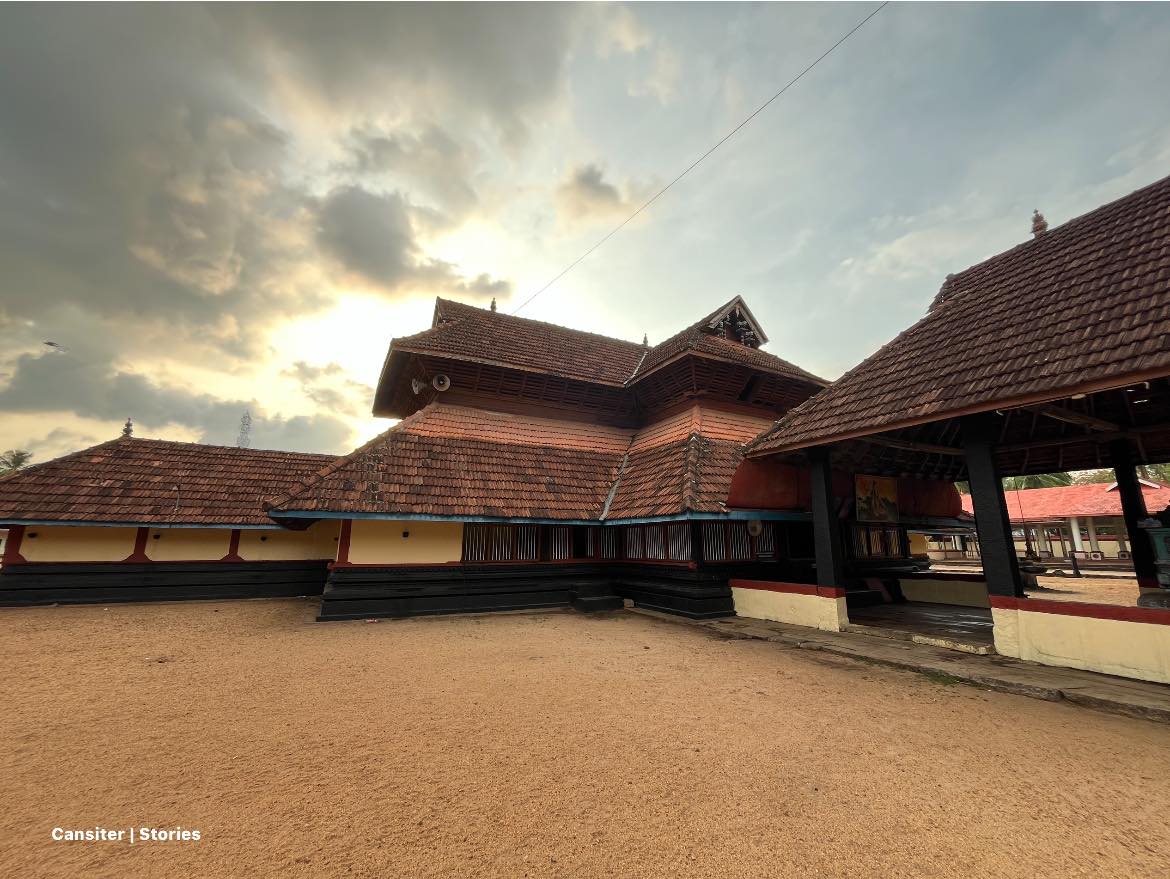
point(1104, 692)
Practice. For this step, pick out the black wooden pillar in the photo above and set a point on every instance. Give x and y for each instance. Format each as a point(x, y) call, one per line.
point(996, 547)
point(1133, 510)
point(826, 526)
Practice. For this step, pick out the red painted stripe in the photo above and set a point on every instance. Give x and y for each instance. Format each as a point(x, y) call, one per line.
point(139, 553)
point(343, 542)
point(1157, 615)
point(12, 554)
point(790, 588)
point(233, 553)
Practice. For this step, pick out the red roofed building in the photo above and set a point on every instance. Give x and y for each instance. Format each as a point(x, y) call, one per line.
point(139, 519)
point(1082, 518)
point(536, 465)
point(532, 465)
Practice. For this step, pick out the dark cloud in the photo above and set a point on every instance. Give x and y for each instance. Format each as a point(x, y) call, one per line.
point(473, 60)
point(436, 166)
point(162, 171)
point(586, 194)
point(331, 389)
point(372, 235)
point(66, 383)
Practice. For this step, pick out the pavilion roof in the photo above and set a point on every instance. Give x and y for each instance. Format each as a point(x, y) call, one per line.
point(464, 332)
point(1064, 501)
point(1079, 308)
point(154, 482)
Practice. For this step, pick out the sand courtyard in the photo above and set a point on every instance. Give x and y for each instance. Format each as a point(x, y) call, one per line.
point(539, 744)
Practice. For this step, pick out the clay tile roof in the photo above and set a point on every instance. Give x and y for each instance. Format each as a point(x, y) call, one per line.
point(691, 475)
point(1063, 501)
point(464, 462)
point(463, 331)
point(130, 480)
point(460, 462)
point(1081, 307)
point(698, 338)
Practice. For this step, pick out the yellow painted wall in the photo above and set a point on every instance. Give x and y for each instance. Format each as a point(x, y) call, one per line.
point(814, 611)
point(315, 542)
point(188, 544)
point(1116, 647)
point(377, 542)
point(945, 591)
point(918, 544)
point(77, 543)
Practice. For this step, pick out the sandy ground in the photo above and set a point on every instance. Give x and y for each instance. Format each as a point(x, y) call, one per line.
point(540, 745)
point(1093, 590)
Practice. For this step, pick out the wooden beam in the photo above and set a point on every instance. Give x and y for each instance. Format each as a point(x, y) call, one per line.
point(911, 446)
point(1071, 417)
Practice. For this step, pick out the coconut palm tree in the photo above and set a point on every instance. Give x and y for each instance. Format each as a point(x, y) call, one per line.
point(1038, 480)
point(13, 460)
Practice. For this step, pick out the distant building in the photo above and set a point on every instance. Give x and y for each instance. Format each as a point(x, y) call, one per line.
point(1087, 519)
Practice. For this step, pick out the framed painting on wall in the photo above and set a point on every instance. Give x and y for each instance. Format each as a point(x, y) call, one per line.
point(876, 498)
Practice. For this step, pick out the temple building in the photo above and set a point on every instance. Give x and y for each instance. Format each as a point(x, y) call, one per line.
point(1052, 356)
point(537, 466)
point(531, 466)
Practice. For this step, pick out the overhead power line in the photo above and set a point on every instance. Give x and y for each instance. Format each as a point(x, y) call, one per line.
point(697, 161)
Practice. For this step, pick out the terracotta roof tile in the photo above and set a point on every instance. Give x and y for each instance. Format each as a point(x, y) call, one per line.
point(454, 461)
point(155, 482)
point(464, 331)
point(1083, 306)
point(1060, 502)
point(692, 475)
point(460, 461)
point(697, 338)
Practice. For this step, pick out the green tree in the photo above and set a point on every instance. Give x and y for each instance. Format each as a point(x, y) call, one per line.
point(1038, 480)
point(13, 460)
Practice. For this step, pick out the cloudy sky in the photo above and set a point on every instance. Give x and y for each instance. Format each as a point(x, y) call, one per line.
point(220, 209)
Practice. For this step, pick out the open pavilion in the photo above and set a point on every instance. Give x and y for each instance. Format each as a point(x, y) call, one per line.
point(1054, 355)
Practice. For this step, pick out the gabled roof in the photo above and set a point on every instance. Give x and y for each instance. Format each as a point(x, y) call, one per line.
point(464, 332)
point(466, 462)
point(701, 338)
point(1063, 501)
point(1077, 309)
point(154, 482)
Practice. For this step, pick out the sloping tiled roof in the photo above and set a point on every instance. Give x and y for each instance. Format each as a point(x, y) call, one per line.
point(1063, 501)
point(154, 482)
point(478, 334)
point(1080, 308)
point(454, 461)
point(696, 338)
point(465, 462)
point(465, 332)
point(692, 475)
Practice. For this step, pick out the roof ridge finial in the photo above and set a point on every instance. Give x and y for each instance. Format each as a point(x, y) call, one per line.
point(493, 303)
point(1039, 224)
point(645, 340)
point(128, 427)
